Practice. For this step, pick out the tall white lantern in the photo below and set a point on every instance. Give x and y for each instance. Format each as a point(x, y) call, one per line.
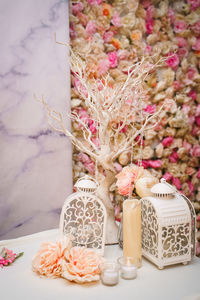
point(168, 226)
point(84, 216)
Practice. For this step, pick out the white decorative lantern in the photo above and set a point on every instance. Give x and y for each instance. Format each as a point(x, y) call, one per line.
point(168, 226)
point(84, 216)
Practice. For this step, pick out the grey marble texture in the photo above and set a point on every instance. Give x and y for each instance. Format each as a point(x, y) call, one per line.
point(35, 161)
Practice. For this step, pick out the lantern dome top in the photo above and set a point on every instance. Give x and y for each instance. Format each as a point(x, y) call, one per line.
point(163, 189)
point(86, 184)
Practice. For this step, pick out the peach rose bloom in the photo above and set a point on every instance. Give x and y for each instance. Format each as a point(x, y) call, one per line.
point(81, 263)
point(49, 257)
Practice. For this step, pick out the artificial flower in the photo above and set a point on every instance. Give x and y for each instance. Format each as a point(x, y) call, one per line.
point(81, 264)
point(48, 260)
point(77, 7)
point(103, 66)
point(91, 27)
point(196, 151)
point(112, 57)
point(7, 257)
point(87, 162)
point(176, 182)
point(194, 4)
point(172, 61)
point(116, 20)
point(179, 26)
point(108, 36)
point(167, 141)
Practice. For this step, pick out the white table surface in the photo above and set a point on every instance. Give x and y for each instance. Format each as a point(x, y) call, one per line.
point(18, 281)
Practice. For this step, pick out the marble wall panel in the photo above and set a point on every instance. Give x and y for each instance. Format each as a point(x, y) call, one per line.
point(35, 161)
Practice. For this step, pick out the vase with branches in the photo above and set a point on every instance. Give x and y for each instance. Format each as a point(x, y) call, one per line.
point(117, 112)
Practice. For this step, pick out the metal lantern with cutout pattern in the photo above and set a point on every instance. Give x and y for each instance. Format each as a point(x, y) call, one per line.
point(84, 216)
point(168, 226)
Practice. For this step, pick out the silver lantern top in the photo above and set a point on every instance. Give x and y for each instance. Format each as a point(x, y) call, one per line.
point(163, 190)
point(86, 184)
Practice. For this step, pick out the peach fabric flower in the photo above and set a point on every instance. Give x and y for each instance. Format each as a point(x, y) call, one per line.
point(82, 264)
point(48, 260)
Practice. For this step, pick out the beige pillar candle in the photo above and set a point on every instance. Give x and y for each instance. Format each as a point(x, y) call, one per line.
point(132, 243)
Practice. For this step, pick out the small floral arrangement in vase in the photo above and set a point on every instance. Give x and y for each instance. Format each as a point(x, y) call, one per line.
point(133, 180)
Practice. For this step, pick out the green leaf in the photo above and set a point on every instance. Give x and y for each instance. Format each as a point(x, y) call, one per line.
point(19, 255)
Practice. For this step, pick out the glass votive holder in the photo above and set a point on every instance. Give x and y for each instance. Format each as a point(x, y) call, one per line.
point(128, 267)
point(109, 273)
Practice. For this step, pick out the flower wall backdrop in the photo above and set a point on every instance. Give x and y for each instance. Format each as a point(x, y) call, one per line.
point(111, 35)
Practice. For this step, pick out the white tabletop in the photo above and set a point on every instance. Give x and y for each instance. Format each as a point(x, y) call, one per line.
point(17, 281)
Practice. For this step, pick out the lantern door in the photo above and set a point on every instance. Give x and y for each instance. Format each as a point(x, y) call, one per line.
point(84, 217)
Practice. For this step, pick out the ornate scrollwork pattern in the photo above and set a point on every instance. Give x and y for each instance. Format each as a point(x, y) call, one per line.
point(84, 218)
point(149, 228)
point(175, 240)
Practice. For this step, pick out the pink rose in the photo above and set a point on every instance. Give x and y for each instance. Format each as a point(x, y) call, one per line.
point(187, 146)
point(150, 12)
point(112, 57)
point(176, 85)
point(107, 37)
point(191, 72)
point(116, 20)
point(191, 186)
point(181, 41)
point(171, 15)
point(194, 4)
point(148, 49)
point(151, 109)
point(72, 32)
point(172, 61)
point(167, 176)
point(197, 119)
point(167, 141)
point(103, 66)
point(94, 2)
point(182, 52)
point(196, 46)
point(197, 112)
point(198, 174)
point(93, 128)
point(125, 187)
point(84, 158)
point(191, 120)
point(174, 157)
point(196, 151)
point(77, 7)
point(146, 3)
point(149, 25)
point(144, 164)
point(197, 248)
point(155, 163)
point(196, 27)
point(87, 162)
point(91, 27)
point(179, 26)
point(138, 140)
point(192, 94)
point(186, 109)
point(176, 181)
point(78, 86)
point(124, 129)
point(195, 130)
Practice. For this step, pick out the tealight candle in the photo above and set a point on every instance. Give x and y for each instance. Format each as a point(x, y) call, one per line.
point(109, 273)
point(128, 268)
